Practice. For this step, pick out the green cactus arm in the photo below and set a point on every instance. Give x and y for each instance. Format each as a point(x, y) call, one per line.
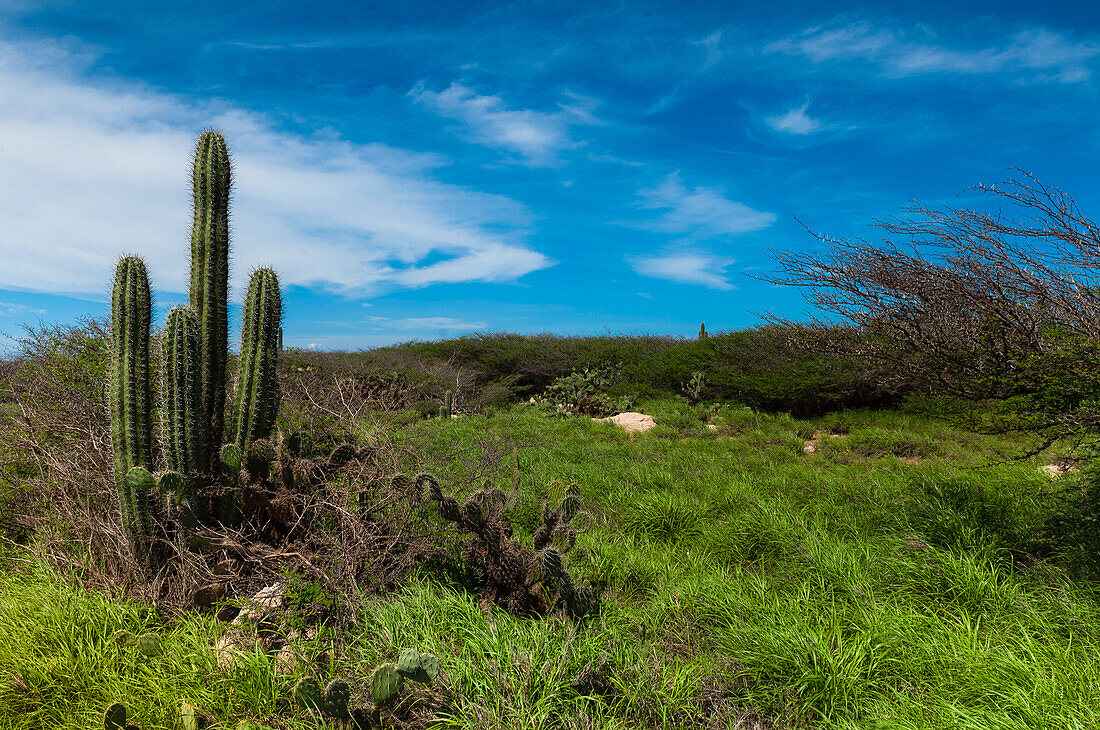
point(129, 388)
point(256, 397)
point(209, 286)
point(185, 430)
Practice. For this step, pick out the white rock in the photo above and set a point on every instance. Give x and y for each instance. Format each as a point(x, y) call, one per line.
point(631, 422)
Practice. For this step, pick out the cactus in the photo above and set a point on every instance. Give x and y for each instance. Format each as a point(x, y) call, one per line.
point(184, 427)
point(130, 395)
point(193, 370)
point(385, 684)
point(115, 717)
point(702, 331)
point(189, 716)
point(256, 400)
point(211, 178)
point(307, 693)
point(337, 695)
point(149, 645)
point(416, 666)
point(445, 410)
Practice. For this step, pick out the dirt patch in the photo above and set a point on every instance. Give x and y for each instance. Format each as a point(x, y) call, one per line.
point(813, 444)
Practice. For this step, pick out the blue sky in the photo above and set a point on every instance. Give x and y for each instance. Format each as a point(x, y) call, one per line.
point(423, 170)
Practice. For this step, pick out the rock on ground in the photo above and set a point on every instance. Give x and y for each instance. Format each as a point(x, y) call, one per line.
point(631, 422)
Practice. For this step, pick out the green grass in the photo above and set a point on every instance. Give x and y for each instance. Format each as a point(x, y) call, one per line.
point(880, 582)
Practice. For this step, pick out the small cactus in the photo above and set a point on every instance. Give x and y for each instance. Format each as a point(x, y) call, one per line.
point(385, 684)
point(445, 410)
point(308, 694)
point(115, 717)
point(416, 666)
point(702, 331)
point(125, 638)
point(337, 696)
point(149, 645)
point(408, 661)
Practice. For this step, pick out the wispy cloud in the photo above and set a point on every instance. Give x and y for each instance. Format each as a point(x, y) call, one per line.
point(10, 309)
point(713, 45)
point(794, 121)
point(686, 268)
point(699, 211)
point(91, 169)
point(436, 323)
point(537, 136)
point(1040, 51)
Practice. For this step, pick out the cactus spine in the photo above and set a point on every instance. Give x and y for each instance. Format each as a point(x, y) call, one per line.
point(210, 277)
point(130, 395)
point(256, 399)
point(184, 427)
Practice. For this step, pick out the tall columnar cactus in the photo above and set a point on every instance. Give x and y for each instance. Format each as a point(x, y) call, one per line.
point(256, 398)
point(210, 276)
point(130, 392)
point(184, 426)
point(702, 330)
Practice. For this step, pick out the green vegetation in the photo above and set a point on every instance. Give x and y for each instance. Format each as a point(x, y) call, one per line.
point(888, 578)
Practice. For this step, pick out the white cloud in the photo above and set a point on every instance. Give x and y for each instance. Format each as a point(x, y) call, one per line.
point(536, 136)
point(794, 121)
point(1033, 50)
point(686, 268)
point(701, 211)
point(713, 45)
point(437, 323)
point(91, 169)
point(11, 309)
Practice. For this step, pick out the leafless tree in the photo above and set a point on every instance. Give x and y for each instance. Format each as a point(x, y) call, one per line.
point(982, 302)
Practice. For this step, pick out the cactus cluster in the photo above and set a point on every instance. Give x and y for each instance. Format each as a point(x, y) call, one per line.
point(192, 376)
point(702, 330)
point(525, 581)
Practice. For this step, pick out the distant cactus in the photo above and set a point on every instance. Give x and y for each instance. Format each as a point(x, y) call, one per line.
point(702, 331)
point(256, 399)
point(211, 178)
point(184, 426)
point(445, 410)
point(130, 393)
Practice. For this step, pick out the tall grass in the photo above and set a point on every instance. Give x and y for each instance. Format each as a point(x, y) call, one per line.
point(886, 580)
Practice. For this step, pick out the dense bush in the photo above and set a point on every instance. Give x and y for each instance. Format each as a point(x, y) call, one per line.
point(766, 368)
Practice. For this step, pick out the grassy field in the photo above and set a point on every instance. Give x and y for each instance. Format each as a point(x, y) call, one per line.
point(885, 580)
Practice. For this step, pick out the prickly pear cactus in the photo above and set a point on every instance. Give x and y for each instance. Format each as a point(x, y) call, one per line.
point(417, 666)
point(408, 661)
point(385, 684)
point(308, 694)
point(125, 638)
point(115, 717)
point(337, 696)
point(429, 665)
point(149, 645)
